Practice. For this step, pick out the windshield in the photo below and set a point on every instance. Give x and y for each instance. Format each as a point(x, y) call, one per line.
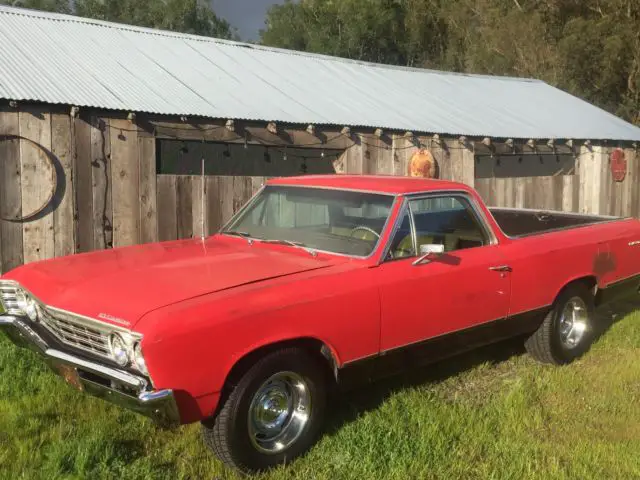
point(335, 221)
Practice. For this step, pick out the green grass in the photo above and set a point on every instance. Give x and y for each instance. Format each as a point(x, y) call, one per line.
point(491, 414)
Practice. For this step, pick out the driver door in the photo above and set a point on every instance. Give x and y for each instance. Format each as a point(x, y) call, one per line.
point(466, 287)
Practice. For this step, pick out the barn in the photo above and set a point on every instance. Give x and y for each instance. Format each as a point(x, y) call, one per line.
point(112, 135)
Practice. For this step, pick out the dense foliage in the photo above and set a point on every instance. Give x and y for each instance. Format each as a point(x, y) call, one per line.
point(188, 16)
point(590, 48)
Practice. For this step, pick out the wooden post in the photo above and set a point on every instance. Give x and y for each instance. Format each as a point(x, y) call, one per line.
point(38, 177)
point(11, 254)
point(63, 215)
point(126, 185)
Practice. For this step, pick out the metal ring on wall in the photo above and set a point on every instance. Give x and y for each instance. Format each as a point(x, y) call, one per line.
point(54, 183)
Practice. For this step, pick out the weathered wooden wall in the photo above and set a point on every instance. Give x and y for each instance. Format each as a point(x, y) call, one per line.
point(590, 189)
point(107, 192)
point(105, 189)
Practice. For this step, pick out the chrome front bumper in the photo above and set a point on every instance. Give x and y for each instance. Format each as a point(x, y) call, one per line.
point(113, 385)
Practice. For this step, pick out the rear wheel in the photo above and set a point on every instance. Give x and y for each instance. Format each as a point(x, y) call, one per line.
point(568, 329)
point(272, 415)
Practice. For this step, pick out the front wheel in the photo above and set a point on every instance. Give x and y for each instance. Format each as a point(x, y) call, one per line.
point(273, 414)
point(568, 329)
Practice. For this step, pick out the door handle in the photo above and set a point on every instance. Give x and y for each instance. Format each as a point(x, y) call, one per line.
point(501, 268)
point(635, 244)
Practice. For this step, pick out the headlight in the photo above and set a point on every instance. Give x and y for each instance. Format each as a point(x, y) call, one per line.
point(27, 304)
point(119, 350)
point(138, 359)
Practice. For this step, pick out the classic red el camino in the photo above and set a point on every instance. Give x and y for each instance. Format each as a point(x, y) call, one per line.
point(318, 281)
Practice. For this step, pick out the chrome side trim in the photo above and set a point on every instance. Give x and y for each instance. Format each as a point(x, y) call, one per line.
point(410, 344)
point(635, 243)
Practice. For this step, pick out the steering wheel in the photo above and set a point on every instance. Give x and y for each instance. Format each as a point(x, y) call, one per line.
point(366, 229)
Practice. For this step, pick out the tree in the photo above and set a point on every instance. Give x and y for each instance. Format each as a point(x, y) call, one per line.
point(58, 6)
point(590, 48)
point(188, 16)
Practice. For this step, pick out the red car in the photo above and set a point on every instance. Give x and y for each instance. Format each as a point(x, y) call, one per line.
point(318, 281)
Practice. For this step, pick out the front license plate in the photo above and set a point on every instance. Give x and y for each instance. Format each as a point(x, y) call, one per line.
point(70, 375)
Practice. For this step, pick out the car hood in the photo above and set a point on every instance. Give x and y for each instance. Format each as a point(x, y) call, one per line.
point(119, 286)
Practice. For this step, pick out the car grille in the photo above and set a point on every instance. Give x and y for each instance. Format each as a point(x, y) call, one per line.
point(74, 332)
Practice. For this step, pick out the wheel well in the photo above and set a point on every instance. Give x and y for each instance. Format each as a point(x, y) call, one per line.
point(590, 281)
point(312, 346)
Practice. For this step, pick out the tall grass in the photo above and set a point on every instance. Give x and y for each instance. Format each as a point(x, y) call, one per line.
point(492, 414)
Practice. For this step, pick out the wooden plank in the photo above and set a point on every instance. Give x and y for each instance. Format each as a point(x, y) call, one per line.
point(568, 189)
point(455, 158)
point(403, 149)
point(63, 214)
point(125, 183)
point(148, 192)
point(214, 211)
point(510, 191)
point(184, 206)
point(257, 183)
point(468, 166)
point(482, 187)
point(241, 192)
point(38, 177)
point(355, 158)
point(557, 197)
point(199, 226)
point(627, 186)
point(529, 193)
point(520, 187)
point(605, 190)
point(340, 163)
point(382, 161)
point(225, 192)
point(369, 154)
point(11, 253)
point(83, 181)
point(102, 223)
point(499, 200)
point(585, 160)
point(167, 208)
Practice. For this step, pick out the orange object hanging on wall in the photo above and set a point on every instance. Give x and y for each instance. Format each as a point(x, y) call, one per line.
point(422, 164)
point(618, 165)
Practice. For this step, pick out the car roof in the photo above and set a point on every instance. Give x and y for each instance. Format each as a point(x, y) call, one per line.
point(387, 184)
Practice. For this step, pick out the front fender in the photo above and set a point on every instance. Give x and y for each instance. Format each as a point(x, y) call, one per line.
point(193, 345)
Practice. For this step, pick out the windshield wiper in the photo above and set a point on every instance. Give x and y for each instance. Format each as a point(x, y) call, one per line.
point(237, 233)
point(291, 243)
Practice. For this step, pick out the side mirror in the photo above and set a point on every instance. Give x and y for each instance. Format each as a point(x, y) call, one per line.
point(428, 250)
point(431, 249)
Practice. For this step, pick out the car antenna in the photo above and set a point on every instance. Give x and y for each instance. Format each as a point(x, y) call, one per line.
point(203, 195)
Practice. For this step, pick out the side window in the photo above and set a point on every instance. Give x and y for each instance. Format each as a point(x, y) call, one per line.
point(402, 243)
point(448, 221)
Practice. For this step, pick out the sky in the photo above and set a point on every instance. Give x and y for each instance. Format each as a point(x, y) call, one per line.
point(247, 16)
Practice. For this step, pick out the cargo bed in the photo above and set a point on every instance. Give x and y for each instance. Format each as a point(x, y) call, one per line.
point(520, 222)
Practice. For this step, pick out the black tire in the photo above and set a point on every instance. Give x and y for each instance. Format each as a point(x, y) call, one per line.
point(227, 435)
point(546, 344)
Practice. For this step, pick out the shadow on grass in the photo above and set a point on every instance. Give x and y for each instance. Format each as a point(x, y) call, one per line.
point(348, 406)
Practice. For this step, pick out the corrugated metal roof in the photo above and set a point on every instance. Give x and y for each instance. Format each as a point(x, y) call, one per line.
point(56, 58)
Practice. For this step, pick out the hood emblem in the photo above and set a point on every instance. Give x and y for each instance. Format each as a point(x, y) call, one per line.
point(111, 318)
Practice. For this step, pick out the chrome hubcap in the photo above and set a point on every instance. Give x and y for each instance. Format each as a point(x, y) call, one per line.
point(279, 412)
point(574, 322)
